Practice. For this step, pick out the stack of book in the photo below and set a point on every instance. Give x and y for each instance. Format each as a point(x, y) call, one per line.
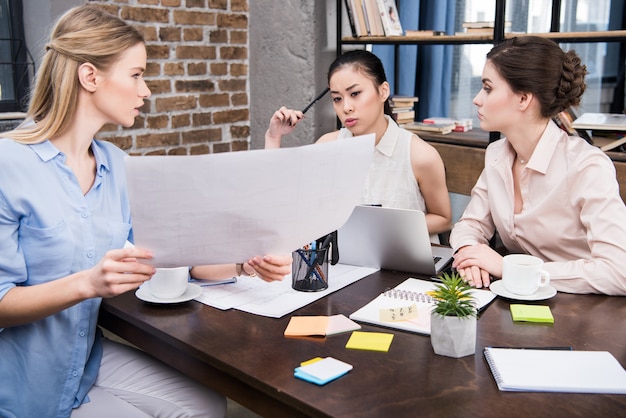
point(460, 125)
point(373, 18)
point(440, 125)
point(403, 108)
point(417, 127)
point(482, 27)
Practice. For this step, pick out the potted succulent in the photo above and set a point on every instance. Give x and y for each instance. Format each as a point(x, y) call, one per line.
point(453, 317)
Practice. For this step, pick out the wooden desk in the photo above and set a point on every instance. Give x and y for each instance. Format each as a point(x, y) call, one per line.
point(464, 157)
point(247, 358)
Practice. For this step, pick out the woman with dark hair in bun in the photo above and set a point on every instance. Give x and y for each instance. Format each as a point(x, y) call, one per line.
point(545, 193)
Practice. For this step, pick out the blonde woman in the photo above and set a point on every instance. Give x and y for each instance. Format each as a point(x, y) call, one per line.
point(64, 219)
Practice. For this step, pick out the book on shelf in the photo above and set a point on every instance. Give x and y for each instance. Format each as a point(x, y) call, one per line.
point(403, 116)
point(458, 128)
point(601, 121)
point(358, 14)
point(478, 30)
point(537, 370)
point(372, 16)
point(390, 18)
point(442, 128)
point(397, 102)
point(408, 306)
point(483, 24)
point(460, 125)
point(424, 33)
point(351, 18)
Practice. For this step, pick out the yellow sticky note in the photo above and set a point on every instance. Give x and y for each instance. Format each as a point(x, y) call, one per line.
point(375, 341)
point(532, 313)
point(313, 360)
point(398, 313)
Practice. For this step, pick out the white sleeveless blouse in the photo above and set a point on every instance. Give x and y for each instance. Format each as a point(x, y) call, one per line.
point(390, 180)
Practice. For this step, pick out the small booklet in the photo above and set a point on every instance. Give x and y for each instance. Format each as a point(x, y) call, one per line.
point(517, 369)
point(408, 306)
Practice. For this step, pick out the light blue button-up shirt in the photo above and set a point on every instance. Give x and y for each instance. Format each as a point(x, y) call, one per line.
point(48, 230)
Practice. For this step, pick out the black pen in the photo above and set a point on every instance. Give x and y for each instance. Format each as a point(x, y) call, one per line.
point(322, 94)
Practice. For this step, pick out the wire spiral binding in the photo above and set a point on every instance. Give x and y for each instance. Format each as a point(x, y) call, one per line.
point(408, 295)
point(492, 365)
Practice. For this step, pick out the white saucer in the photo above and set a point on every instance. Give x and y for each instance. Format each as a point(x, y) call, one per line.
point(546, 292)
point(192, 292)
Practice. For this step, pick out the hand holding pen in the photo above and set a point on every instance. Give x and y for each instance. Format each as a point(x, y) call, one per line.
point(284, 121)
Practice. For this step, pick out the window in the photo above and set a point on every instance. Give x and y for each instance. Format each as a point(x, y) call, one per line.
point(602, 59)
point(447, 77)
point(16, 63)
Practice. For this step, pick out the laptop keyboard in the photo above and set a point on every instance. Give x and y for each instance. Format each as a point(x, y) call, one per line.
point(436, 259)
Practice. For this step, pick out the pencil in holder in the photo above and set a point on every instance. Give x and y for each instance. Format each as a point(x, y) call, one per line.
point(310, 269)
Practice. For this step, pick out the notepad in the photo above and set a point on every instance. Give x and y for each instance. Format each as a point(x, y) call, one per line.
point(531, 313)
point(373, 341)
point(556, 370)
point(393, 308)
point(301, 326)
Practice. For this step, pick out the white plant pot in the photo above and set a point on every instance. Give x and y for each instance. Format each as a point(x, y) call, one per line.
point(453, 336)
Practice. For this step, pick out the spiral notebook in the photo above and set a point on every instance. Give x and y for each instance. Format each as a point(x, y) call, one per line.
point(529, 370)
point(407, 306)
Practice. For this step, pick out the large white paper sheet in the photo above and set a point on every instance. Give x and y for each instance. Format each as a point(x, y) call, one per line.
point(228, 207)
point(276, 299)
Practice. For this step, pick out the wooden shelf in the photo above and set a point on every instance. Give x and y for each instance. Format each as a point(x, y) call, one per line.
point(579, 37)
point(487, 38)
point(484, 38)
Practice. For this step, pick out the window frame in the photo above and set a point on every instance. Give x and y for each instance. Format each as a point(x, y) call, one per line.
point(21, 63)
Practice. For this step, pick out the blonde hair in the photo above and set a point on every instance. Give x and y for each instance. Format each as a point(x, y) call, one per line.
point(84, 34)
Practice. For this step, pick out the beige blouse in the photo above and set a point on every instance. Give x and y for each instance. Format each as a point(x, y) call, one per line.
point(573, 216)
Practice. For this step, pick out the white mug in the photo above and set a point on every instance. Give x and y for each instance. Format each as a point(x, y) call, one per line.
point(169, 282)
point(522, 274)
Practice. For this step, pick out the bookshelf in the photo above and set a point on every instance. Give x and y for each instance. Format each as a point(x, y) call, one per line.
point(468, 147)
point(495, 37)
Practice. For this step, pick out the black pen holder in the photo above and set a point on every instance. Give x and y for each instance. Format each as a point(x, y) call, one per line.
point(310, 270)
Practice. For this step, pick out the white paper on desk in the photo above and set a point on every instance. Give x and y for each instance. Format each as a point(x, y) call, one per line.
point(276, 299)
point(228, 207)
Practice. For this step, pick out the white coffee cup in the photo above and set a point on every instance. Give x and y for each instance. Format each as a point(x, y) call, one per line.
point(169, 282)
point(522, 274)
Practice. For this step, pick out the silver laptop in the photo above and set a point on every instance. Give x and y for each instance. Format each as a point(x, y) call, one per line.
point(390, 239)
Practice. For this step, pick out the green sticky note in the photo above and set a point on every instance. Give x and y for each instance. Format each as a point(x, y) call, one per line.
point(374, 341)
point(532, 313)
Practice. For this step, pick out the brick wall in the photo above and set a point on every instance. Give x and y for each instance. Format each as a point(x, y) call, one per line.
point(198, 74)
